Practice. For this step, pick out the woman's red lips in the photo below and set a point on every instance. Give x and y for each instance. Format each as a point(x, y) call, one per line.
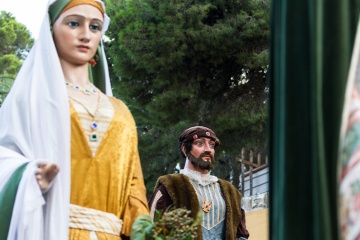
point(83, 48)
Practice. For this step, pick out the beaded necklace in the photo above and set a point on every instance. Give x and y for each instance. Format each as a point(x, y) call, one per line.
point(83, 90)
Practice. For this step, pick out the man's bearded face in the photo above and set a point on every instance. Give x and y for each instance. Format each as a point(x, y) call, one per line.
point(202, 153)
point(199, 162)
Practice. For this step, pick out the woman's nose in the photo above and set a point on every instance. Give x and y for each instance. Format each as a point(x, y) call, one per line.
point(85, 34)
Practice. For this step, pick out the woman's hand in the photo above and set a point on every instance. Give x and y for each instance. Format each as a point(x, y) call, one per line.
point(45, 173)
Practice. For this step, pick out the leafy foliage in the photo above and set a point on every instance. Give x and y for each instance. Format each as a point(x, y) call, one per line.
point(6, 82)
point(15, 37)
point(10, 63)
point(175, 224)
point(181, 63)
point(14, 45)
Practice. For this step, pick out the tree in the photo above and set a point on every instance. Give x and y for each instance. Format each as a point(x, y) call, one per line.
point(14, 45)
point(6, 82)
point(190, 62)
point(15, 37)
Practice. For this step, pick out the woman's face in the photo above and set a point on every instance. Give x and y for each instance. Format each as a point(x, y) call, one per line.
point(77, 34)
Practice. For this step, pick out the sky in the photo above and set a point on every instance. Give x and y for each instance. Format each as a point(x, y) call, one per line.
point(28, 12)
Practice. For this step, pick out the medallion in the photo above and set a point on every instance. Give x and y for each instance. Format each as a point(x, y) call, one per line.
point(206, 206)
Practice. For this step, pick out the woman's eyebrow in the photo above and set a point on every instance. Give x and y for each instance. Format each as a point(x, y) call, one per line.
point(83, 17)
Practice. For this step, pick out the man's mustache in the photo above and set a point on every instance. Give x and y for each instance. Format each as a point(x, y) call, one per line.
point(205, 154)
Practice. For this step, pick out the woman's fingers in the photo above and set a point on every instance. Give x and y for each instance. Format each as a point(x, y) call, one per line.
point(45, 173)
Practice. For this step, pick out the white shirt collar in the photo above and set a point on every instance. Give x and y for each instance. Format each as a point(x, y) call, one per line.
point(202, 179)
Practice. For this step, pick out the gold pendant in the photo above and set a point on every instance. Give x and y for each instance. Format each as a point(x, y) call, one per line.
point(206, 206)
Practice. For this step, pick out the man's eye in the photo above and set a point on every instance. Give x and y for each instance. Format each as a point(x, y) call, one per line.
point(199, 144)
point(212, 145)
point(73, 24)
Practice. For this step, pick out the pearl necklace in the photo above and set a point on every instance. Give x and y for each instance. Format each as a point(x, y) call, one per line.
point(83, 90)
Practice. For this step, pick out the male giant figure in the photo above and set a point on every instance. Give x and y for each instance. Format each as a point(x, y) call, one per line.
point(195, 189)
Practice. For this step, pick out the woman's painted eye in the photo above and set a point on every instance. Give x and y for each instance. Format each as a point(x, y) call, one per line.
point(73, 24)
point(95, 28)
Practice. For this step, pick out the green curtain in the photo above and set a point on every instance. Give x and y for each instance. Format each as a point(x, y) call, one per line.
point(311, 47)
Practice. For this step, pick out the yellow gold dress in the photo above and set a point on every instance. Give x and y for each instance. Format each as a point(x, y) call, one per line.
point(111, 180)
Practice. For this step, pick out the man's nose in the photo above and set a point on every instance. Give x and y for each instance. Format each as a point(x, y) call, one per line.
point(207, 147)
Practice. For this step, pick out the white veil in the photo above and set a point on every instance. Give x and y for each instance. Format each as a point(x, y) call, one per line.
point(35, 126)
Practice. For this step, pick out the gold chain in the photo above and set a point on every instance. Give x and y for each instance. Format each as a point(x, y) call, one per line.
point(94, 125)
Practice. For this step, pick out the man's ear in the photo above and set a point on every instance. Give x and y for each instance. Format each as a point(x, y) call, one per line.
point(183, 150)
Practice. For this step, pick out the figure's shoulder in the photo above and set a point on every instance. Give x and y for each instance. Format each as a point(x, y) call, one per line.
point(120, 106)
point(117, 102)
point(228, 185)
point(172, 179)
point(159, 188)
point(225, 182)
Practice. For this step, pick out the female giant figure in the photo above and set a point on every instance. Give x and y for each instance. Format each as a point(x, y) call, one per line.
point(69, 163)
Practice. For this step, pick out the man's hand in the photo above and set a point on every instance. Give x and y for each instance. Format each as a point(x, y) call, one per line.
point(45, 173)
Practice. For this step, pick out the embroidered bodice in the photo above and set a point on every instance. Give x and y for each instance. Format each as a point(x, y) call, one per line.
point(208, 189)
